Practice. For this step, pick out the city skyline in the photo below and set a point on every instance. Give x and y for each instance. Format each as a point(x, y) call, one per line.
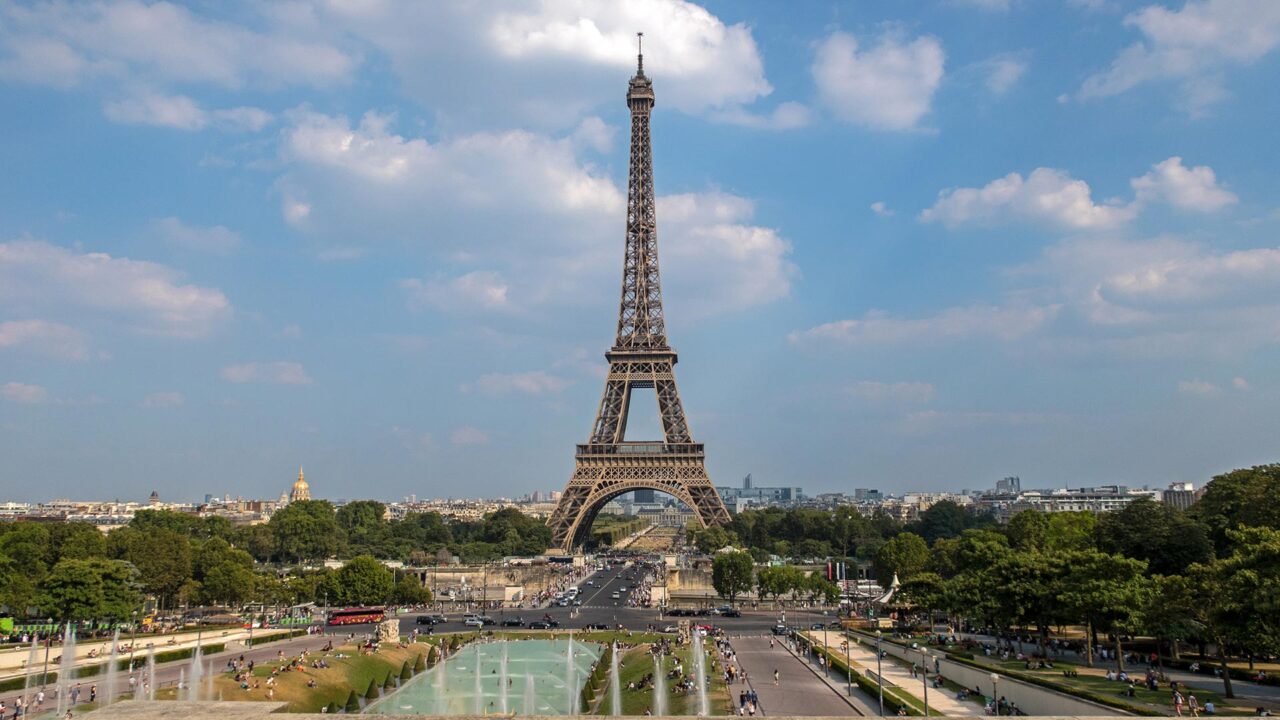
point(953, 242)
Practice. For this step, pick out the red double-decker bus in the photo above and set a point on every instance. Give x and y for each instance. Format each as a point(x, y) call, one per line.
point(356, 616)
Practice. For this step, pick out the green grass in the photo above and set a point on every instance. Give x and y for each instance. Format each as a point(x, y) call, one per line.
point(636, 662)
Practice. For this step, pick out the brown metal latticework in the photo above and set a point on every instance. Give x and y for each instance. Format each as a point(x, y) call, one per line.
point(608, 466)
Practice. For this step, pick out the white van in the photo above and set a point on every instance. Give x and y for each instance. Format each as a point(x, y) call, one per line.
point(573, 591)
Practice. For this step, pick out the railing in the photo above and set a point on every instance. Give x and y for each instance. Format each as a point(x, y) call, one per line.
point(642, 448)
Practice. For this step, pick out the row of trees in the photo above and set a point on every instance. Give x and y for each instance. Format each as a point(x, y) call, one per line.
point(734, 573)
point(185, 559)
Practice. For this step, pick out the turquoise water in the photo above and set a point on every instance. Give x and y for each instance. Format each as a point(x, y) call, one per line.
point(537, 677)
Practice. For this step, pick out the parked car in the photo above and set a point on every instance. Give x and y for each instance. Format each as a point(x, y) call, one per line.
point(430, 619)
point(817, 626)
point(474, 622)
point(780, 630)
point(512, 621)
point(539, 625)
point(731, 612)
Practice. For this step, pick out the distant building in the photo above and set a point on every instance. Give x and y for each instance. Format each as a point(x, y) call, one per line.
point(301, 490)
point(1009, 486)
point(867, 495)
point(644, 496)
point(749, 495)
point(1180, 496)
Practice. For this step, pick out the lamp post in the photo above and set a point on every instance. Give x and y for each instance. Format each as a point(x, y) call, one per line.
point(879, 676)
point(995, 696)
point(924, 678)
point(848, 666)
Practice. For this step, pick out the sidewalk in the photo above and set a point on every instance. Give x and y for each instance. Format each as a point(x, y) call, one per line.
point(940, 699)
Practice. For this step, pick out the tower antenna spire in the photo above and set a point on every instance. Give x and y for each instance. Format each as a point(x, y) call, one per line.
point(640, 53)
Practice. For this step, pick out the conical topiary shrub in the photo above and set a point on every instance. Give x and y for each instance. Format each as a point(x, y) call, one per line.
point(420, 663)
point(372, 693)
point(353, 703)
point(433, 656)
point(332, 708)
point(406, 672)
point(390, 682)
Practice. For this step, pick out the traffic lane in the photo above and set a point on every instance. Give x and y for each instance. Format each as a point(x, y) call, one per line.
point(798, 691)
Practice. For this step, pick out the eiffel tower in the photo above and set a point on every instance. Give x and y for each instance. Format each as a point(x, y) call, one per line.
point(607, 466)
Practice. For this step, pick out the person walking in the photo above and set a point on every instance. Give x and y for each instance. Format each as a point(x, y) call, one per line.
point(775, 676)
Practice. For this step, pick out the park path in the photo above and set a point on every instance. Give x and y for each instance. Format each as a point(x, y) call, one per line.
point(940, 699)
point(799, 691)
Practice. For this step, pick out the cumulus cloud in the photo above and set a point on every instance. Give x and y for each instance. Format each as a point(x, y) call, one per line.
point(467, 435)
point(46, 338)
point(1045, 194)
point(275, 373)
point(216, 239)
point(64, 44)
point(1189, 188)
point(23, 393)
point(985, 321)
point(546, 223)
point(180, 112)
point(527, 383)
point(146, 296)
point(1049, 194)
point(896, 392)
point(878, 207)
point(886, 87)
point(478, 289)
point(163, 400)
point(1191, 47)
point(1003, 72)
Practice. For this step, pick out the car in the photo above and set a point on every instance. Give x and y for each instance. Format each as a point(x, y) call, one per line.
point(473, 622)
point(780, 630)
point(817, 626)
point(512, 622)
point(670, 629)
point(731, 612)
point(539, 625)
point(577, 602)
point(430, 619)
point(616, 595)
point(835, 625)
point(592, 583)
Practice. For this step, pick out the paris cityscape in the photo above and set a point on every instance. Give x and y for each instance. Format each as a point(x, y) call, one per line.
point(379, 242)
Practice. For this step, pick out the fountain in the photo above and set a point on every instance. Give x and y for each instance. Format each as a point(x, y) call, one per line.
point(110, 695)
point(571, 697)
point(659, 686)
point(615, 694)
point(32, 657)
point(197, 674)
point(66, 669)
point(150, 680)
point(479, 690)
point(438, 680)
point(182, 683)
point(208, 681)
point(700, 674)
point(503, 680)
point(529, 706)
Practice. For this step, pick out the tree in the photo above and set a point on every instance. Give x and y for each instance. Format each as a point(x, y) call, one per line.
point(92, 589)
point(711, 539)
point(362, 581)
point(1107, 592)
point(366, 531)
point(1028, 530)
point(732, 573)
point(1238, 499)
point(161, 555)
point(228, 581)
point(926, 591)
point(410, 591)
point(75, 540)
point(943, 519)
point(902, 556)
point(1165, 537)
point(305, 531)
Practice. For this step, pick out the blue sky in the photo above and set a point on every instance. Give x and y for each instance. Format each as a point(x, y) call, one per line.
point(912, 245)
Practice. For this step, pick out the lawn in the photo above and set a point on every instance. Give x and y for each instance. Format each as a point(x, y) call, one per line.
point(636, 662)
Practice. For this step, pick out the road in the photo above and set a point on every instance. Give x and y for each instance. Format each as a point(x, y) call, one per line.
point(799, 690)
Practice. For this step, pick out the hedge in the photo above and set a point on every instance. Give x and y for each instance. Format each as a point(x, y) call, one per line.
point(894, 698)
point(595, 680)
point(1057, 687)
point(1207, 667)
point(272, 638)
point(19, 683)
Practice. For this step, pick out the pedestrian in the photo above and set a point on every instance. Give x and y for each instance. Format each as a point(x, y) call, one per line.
point(775, 676)
point(1193, 705)
point(1177, 703)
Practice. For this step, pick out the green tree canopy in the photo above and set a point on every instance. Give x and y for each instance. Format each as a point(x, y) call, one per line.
point(306, 531)
point(732, 574)
point(903, 556)
point(1240, 498)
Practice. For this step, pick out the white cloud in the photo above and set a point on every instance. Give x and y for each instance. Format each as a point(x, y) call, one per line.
point(1239, 383)
point(64, 44)
point(528, 383)
point(878, 207)
point(44, 338)
point(474, 290)
point(541, 218)
point(146, 296)
point(1004, 71)
point(180, 112)
point(1046, 194)
point(467, 435)
point(986, 321)
point(1192, 46)
point(897, 392)
point(786, 116)
point(1194, 188)
point(163, 400)
point(295, 211)
point(887, 87)
point(277, 373)
point(1200, 388)
point(23, 393)
point(215, 239)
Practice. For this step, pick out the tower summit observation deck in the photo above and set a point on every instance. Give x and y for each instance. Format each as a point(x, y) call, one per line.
point(607, 466)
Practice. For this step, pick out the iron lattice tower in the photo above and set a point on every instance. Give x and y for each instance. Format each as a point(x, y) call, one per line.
point(607, 466)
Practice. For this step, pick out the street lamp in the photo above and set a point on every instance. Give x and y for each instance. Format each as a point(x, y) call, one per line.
point(924, 678)
point(848, 666)
point(879, 675)
point(995, 696)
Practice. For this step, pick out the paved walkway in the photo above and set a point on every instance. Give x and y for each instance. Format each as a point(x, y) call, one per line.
point(799, 691)
point(939, 698)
